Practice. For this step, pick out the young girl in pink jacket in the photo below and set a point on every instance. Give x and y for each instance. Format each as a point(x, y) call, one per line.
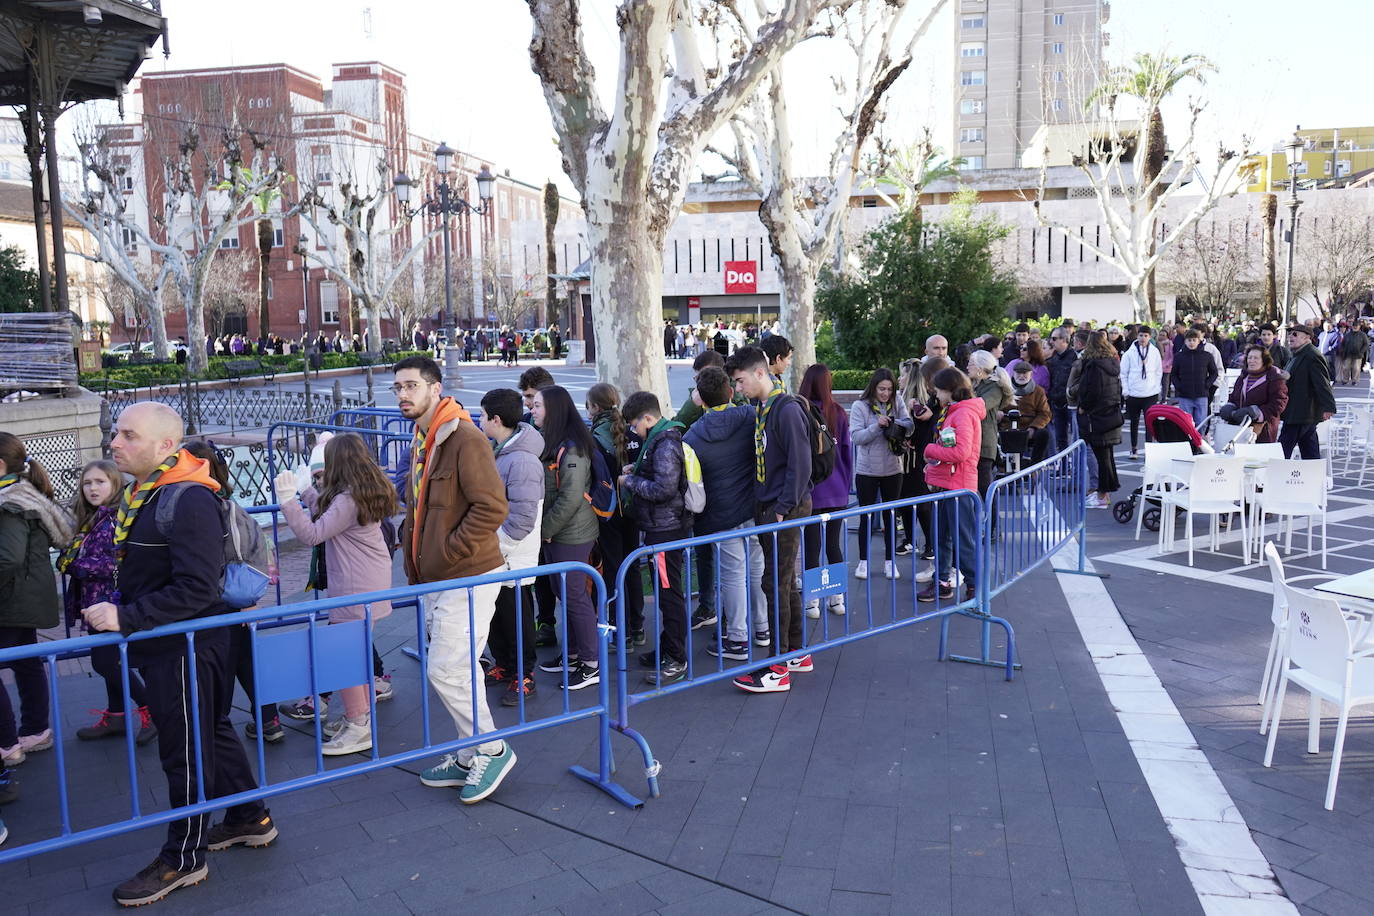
point(952, 464)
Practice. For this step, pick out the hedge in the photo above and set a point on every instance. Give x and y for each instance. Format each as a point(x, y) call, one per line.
point(850, 379)
point(169, 372)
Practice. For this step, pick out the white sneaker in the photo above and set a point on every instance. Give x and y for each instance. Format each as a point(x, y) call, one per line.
point(12, 756)
point(353, 738)
point(890, 570)
point(381, 686)
point(813, 608)
point(926, 574)
point(837, 604)
point(861, 571)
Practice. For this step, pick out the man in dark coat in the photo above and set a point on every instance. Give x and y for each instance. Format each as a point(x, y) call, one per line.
point(1310, 397)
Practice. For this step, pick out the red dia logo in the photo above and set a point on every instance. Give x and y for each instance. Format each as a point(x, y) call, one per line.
point(741, 277)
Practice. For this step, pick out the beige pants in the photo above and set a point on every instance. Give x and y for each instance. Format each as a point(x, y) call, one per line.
point(456, 640)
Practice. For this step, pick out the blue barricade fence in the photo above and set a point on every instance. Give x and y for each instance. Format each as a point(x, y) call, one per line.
point(389, 445)
point(305, 661)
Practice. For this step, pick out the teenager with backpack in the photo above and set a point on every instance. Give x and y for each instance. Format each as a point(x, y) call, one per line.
point(783, 458)
point(832, 493)
point(654, 487)
point(619, 533)
point(517, 447)
point(345, 515)
point(569, 528)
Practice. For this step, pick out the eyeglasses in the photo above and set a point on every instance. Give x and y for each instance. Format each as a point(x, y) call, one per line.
point(407, 387)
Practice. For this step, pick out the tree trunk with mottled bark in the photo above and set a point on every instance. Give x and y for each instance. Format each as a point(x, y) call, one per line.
point(550, 254)
point(1269, 209)
point(265, 233)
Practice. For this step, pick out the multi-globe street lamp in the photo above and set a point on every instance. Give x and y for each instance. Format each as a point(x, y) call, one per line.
point(1294, 150)
point(445, 204)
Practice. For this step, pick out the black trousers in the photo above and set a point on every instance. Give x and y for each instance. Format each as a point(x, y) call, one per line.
point(873, 490)
point(224, 764)
point(1107, 481)
point(833, 537)
point(545, 597)
point(31, 679)
point(505, 626)
point(780, 577)
point(672, 599)
point(1135, 407)
point(1304, 436)
point(619, 536)
point(914, 484)
point(105, 662)
point(241, 667)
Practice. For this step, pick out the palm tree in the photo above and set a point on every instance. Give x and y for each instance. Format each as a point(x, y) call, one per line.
point(1151, 78)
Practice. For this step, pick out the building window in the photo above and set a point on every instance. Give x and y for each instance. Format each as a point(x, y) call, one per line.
point(971, 22)
point(972, 49)
point(870, 202)
point(229, 241)
point(973, 78)
point(1057, 48)
point(321, 166)
point(1057, 105)
point(329, 302)
point(278, 238)
point(971, 135)
point(973, 162)
point(1058, 18)
point(4, 169)
point(128, 239)
point(971, 106)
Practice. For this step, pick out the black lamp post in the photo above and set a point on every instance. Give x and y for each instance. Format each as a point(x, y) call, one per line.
point(1294, 149)
point(445, 204)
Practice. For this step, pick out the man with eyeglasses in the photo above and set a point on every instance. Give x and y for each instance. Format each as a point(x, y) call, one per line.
point(1060, 362)
point(1311, 399)
point(455, 506)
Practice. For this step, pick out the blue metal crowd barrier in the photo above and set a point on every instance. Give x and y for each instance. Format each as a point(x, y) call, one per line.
point(312, 658)
point(387, 442)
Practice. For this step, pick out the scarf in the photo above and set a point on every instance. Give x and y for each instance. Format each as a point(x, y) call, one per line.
point(662, 424)
point(73, 550)
point(8, 480)
point(135, 495)
point(760, 419)
point(1144, 356)
point(445, 412)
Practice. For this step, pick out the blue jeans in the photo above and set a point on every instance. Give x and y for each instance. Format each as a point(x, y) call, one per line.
point(965, 528)
point(1061, 426)
point(1196, 407)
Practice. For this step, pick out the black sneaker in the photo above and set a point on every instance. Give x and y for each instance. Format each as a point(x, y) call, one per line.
point(260, 832)
point(583, 676)
point(761, 638)
point(272, 732)
point(703, 618)
point(555, 664)
point(671, 672)
point(545, 635)
point(155, 882)
point(904, 549)
point(729, 649)
point(927, 594)
point(9, 787)
point(639, 638)
point(927, 553)
point(513, 690)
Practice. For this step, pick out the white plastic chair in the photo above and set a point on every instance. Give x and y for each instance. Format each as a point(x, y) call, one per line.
point(1359, 440)
point(1319, 656)
point(1294, 489)
point(1215, 487)
point(1252, 453)
point(1278, 616)
point(1158, 458)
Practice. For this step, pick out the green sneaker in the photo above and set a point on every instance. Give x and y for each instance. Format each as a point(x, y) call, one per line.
point(486, 774)
point(449, 774)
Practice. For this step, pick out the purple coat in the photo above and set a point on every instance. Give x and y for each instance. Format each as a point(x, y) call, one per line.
point(91, 577)
point(833, 492)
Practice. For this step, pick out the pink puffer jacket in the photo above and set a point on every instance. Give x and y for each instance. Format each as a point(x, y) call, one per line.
point(956, 467)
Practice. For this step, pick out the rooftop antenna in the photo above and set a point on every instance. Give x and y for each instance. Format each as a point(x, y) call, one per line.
point(367, 22)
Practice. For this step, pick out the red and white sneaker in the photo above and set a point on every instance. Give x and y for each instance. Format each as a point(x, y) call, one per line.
point(772, 679)
point(801, 665)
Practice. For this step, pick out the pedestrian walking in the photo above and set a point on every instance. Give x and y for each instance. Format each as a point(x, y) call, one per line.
point(1311, 399)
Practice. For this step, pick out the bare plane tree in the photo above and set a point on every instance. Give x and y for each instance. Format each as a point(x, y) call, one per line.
point(804, 218)
point(631, 162)
point(359, 253)
point(1212, 263)
point(1335, 256)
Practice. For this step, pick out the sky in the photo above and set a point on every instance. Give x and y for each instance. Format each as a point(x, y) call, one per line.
point(470, 83)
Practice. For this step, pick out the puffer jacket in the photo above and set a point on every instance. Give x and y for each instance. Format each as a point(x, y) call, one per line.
point(517, 461)
point(874, 456)
point(1060, 365)
point(568, 514)
point(1098, 396)
point(30, 525)
point(955, 467)
point(91, 575)
point(658, 485)
point(724, 444)
point(995, 398)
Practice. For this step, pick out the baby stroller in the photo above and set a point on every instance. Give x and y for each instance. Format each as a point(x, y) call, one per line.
point(1163, 423)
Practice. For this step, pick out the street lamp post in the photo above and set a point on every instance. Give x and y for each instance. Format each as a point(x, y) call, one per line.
point(447, 203)
point(1294, 150)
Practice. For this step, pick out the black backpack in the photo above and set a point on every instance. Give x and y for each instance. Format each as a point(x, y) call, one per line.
point(822, 441)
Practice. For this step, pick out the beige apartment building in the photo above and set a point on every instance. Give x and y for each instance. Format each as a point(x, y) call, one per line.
point(1020, 64)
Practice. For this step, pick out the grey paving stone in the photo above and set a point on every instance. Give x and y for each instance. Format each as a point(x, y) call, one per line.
point(978, 846)
point(747, 872)
point(856, 902)
point(981, 894)
point(529, 897)
point(804, 889)
point(673, 885)
point(700, 848)
point(1337, 902)
point(618, 869)
point(719, 902)
point(575, 851)
point(328, 896)
point(1040, 879)
point(1090, 844)
point(1160, 882)
point(628, 899)
point(1296, 887)
point(1105, 898)
point(459, 881)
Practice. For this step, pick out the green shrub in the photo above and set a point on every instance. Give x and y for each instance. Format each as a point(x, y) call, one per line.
point(850, 379)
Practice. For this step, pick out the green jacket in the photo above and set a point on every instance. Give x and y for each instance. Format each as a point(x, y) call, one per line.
point(30, 525)
point(1309, 387)
point(568, 515)
point(689, 412)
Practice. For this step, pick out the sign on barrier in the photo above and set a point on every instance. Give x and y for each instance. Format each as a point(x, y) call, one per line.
point(825, 581)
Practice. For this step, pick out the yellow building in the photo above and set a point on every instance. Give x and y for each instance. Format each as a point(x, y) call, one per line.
point(1329, 154)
